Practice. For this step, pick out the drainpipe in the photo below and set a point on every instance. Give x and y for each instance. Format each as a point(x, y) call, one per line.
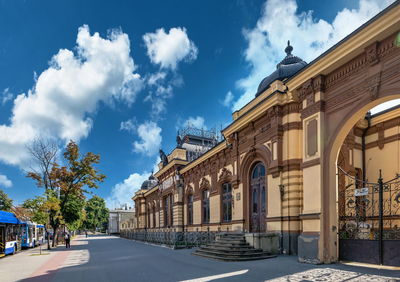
point(364, 174)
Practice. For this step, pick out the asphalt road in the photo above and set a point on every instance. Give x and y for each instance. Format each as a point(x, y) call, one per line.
point(107, 258)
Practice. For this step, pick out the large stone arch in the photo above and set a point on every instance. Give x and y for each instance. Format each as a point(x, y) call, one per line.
point(258, 153)
point(336, 132)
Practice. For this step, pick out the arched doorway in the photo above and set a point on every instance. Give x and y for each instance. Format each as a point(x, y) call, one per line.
point(350, 204)
point(257, 198)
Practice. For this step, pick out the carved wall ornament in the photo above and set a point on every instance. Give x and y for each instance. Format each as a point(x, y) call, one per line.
point(253, 152)
point(189, 190)
point(319, 83)
point(306, 89)
point(372, 54)
point(225, 176)
point(373, 84)
point(310, 99)
point(310, 87)
point(204, 184)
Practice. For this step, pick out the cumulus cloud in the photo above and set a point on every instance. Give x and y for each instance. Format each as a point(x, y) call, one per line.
point(4, 181)
point(227, 102)
point(150, 138)
point(123, 192)
point(309, 36)
point(6, 96)
point(128, 125)
point(161, 86)
point(168, 49)
point(65, 95)
point(197, 122)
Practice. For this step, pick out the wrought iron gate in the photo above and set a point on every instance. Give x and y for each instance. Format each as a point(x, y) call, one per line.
point(369, 220)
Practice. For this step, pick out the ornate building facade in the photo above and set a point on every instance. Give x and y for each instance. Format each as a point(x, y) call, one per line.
point(292, 164)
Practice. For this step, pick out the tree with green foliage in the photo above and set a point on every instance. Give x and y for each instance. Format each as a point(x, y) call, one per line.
point(66, 185)
point(5, 202)
point(37, 208)
point(96, 214)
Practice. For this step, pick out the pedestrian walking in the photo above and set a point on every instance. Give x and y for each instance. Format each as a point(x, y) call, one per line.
point(86, 233)
point(67, 240)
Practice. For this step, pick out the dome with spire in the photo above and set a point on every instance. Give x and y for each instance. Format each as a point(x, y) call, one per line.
point(289, 66)
point(149, 183)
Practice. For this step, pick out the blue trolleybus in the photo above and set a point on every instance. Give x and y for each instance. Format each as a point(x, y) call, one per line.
point(32, 234)
point(9, 233)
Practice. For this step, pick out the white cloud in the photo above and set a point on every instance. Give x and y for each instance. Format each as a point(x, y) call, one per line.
point(161, 88)
point(123, 192)
point(309, 37)
point(65, 95)
point(6, 96)
point(4, 181)
point(168, 49)
point(128, 125)
point(150, 138)
point(197, 122)
point(227, 102)
point(155, 78)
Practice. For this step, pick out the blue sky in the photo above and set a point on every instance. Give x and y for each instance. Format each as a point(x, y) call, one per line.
point(120, 77)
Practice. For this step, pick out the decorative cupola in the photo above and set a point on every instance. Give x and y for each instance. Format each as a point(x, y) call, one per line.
point(288, 67)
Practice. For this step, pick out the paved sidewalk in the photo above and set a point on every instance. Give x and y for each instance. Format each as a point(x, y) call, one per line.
point(29, 264)
point(102, 258)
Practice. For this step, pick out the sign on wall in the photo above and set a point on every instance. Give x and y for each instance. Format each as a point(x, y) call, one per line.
point(361, 192)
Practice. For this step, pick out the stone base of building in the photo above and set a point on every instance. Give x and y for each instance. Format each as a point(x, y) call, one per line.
point(172, 239)
point(308, 249)
point(268, 242)
point(289, 243)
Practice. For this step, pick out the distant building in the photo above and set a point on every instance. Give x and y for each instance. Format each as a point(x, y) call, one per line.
point(119, 219)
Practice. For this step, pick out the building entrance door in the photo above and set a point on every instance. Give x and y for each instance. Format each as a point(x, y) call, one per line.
point(257, 199)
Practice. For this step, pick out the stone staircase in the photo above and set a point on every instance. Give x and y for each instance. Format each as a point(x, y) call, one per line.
point(231, 247)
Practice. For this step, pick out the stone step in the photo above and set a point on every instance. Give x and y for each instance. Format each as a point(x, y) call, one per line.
point(229, 245)
point(232, 254)
point(232, 250)
point(224, 258)
point(231, 235)
point(224, 240)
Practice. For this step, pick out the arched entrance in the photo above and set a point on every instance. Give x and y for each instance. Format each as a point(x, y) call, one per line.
point(257, 198)
point(351, 207)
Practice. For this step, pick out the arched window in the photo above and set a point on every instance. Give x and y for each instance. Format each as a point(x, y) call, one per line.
point(168, 211)
point(148, 216)
point(258, 171)
point(190, 209)
point(154, 215)
point(167, 216)
point(226, 202)
point(206, 206)
point(258, 198)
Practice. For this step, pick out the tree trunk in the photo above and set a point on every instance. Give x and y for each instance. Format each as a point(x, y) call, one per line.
point(55, 235)
point(47, 236)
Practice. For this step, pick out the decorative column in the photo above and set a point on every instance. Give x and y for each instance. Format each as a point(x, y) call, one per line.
point(311, 96)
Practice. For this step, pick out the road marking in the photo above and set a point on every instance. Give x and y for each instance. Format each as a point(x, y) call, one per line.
point(218, 276)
